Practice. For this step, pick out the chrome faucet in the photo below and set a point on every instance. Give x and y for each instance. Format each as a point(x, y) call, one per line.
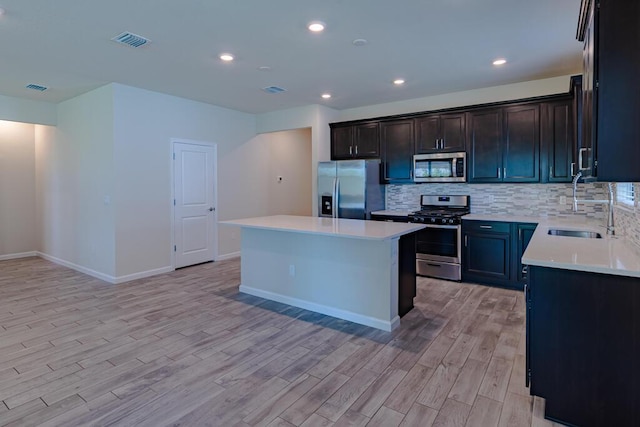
point(610, 222)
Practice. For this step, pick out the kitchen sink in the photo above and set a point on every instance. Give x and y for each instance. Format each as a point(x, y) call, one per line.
point(575, 233)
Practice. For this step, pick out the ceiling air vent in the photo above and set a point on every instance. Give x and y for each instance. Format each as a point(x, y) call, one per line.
point(130, 39)
point(273, 89)
point(36, 87)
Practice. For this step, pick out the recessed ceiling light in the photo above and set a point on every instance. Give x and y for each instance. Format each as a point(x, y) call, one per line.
point(316, 26)
point(359, 42)
point(264, 68)
point(500, 61)
point(1, 11)
point(398, 82)
point(326, 95)
point(226, 57)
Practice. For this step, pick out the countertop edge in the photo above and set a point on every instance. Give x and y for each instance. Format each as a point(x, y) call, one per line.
point(408, 228)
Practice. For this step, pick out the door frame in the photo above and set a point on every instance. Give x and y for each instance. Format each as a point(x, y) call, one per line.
point(172, 143)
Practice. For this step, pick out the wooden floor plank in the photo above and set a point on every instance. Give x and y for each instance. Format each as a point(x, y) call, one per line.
point(186, 348)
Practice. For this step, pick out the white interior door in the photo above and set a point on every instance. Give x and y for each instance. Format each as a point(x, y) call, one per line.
point(194, 211)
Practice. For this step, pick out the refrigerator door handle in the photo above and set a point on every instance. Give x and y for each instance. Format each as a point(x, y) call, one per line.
point(336, 192)
point(336, 195)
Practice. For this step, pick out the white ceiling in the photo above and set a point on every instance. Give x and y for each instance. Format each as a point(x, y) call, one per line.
point(437, 46)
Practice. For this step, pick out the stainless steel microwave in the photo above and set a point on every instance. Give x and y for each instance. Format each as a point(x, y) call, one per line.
point(440, 167)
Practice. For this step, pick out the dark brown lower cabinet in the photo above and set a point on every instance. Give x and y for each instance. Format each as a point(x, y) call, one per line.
point(406, 273)
point(492, 252)
point(406, 265)
point(583, 346)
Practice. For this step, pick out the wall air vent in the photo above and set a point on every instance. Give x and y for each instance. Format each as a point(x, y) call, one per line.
point(36, 87)
point(131, 39)
point(273, 89)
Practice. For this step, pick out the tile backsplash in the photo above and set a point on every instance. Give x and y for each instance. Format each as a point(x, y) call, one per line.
point(506, 199)
point(545, 200)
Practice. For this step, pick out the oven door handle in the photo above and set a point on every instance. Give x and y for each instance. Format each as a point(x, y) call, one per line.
point(449, 227)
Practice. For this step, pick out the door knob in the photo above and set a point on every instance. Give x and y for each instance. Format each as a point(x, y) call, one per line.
point(211, 209)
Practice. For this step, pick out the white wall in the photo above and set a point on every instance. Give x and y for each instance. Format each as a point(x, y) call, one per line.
point(289, 154)
point(144, 124)
point(18, 232)
point(508, 92)
point(27, 111)
point(76, 173)
point(317, 118)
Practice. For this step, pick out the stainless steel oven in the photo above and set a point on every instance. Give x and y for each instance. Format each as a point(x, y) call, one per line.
point(438, 246)
point(438, 251)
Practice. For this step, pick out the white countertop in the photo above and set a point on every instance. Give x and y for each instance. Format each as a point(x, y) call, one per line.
point(337, 227)
point(389, 212)
point(608, 255)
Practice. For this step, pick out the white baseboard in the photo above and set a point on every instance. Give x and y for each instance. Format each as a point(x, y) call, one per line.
point(228, 256)
point(143, 274)
point(18, 255)
point(102, 276)
point(323, 309)
point(106, 277)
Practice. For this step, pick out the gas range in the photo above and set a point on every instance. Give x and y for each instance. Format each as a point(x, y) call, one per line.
point(444, 210)
point(439, 245)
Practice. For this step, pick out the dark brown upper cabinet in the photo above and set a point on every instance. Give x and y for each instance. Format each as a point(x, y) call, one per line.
point(504, 144)
point(484, 128)
point(610, 145)
point(558, 133)
point(355, 141)
point(396, 150)
point(521, 150)
point(440, 133)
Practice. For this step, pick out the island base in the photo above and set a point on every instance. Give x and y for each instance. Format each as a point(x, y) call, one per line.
point(347, 278)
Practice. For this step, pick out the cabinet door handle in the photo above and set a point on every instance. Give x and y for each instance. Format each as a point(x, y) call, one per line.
point(580, 159)
point(504, 172)
point(356, 150)
point(524, 269)
point(550, 171)
point(351, 150)
point(573, 165)
point(499, 173)
point(486, 226)
point(442, 144)
point(436, 143)
point(465, 240)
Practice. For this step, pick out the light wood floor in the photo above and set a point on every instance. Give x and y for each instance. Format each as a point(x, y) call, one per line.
point(186, 349)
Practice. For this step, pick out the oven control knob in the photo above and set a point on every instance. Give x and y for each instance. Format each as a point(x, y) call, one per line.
point(451, 221)
point(433, 220)
point(444, 220)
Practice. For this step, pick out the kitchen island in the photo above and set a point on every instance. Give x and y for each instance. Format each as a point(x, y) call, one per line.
point(344, 268)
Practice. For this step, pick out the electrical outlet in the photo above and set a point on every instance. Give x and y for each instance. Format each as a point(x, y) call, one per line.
point(292, 270)
point(563, 200)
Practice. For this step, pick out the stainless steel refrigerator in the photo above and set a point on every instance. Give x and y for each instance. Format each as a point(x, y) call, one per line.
point(349, 189)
